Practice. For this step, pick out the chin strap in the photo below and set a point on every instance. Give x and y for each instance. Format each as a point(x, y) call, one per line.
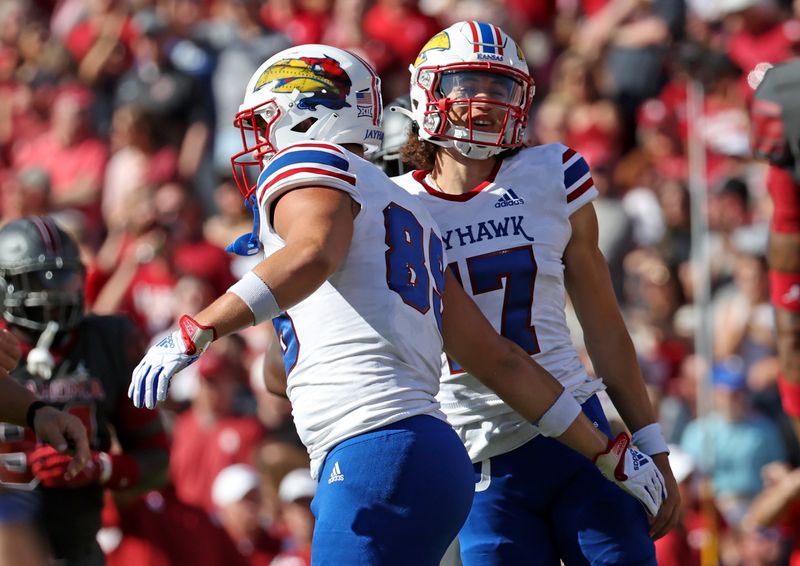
point(475, 151)
point(248, 244)
point(404, 111)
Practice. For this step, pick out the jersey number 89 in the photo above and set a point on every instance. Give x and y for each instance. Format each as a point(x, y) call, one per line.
point(407, 272)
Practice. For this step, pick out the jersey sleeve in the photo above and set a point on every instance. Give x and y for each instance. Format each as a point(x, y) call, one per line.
point(578, 181)
point(309, 164)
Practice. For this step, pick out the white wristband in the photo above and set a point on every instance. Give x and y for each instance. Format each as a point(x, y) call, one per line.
point(257, 296)
point(561, 414)
point(650, 440)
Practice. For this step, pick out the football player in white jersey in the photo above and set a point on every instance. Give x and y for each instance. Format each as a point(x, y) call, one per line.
point(519, 231)
point(353, 280)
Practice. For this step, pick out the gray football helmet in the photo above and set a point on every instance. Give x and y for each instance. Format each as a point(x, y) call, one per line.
point(41, 275)
point(396, 127)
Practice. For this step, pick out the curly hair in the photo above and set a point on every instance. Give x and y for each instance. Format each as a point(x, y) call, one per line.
point(421, 154)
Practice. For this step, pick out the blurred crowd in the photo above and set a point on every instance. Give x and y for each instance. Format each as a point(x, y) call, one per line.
point(116, 118)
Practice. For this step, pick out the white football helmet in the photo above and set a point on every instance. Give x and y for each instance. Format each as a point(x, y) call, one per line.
point(305, 93)
point(471, 89)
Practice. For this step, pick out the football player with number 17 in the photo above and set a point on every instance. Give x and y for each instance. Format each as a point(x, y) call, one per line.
point(353, 279)
point(519, 230)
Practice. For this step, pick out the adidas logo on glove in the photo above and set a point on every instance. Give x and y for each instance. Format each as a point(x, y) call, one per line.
point(639, 460)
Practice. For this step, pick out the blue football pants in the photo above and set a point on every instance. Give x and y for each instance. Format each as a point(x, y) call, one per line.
point(545, 502)
point(396, 496)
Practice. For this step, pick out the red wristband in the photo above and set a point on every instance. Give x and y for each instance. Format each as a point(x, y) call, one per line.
point(125, 472)
point(790, 396)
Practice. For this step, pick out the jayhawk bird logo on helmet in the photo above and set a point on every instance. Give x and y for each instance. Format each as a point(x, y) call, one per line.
point(322, 76)
point(439, 41)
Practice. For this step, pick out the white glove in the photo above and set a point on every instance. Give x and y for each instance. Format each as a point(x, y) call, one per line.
point(632, 471)
point(150, 380)
point(39, 361)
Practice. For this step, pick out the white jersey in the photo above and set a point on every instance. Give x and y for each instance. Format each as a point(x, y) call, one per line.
point(364, 350)
point(505, 242)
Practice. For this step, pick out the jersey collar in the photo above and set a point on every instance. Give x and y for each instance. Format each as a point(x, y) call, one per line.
point(420, 174)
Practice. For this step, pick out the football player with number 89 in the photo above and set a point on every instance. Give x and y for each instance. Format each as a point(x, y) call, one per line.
point(354, 283)
point(520, 231)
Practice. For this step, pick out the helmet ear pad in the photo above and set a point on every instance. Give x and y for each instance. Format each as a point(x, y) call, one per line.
point(473, 49)
point(41, 275)
point(397, 126)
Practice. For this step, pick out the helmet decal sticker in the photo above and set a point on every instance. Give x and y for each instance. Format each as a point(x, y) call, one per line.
point(321, 76)
point(487, 41)
point(364, 102)
point(521, 55)
point(439, 41)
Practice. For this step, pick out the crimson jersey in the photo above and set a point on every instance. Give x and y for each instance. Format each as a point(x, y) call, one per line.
point(505, 242)
point(90, 380)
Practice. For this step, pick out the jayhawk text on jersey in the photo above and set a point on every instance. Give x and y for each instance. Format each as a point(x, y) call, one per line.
point(505, 241)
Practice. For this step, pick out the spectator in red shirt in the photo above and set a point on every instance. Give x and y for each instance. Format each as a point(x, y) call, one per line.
point(210, 436)
point(25, 194)
point(180, 213)
point(593, 124)
point(758, 33)
point(163, 243)
point(138, 160)
point(101, 45)
point(102, 38)
point(158, 529)
point(401, 26)
point(658, 134)
point(779, 505)
point(74, 159)
point(701, 526)
point(135, 275)
point(237, 496)
point(303, 21)
point(674, 548)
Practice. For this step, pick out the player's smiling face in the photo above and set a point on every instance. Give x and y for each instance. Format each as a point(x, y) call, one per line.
point(472, 94)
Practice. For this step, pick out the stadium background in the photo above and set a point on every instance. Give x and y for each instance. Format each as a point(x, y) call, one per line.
point(115, 116)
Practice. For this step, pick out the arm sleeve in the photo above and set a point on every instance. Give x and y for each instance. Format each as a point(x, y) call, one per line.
point(578, 182)
point(304, 164)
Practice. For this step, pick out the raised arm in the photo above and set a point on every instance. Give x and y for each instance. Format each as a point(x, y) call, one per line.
point(316, 224)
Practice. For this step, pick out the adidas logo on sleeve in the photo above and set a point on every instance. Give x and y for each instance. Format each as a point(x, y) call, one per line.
point(510, 198)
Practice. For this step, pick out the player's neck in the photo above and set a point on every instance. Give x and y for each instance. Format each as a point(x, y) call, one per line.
point(456, 174)
point(354, 148)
